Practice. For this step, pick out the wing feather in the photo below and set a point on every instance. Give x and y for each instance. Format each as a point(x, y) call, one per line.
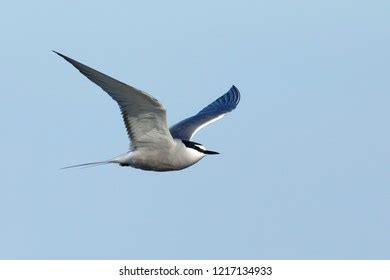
point(143, 115)
point(187, 128)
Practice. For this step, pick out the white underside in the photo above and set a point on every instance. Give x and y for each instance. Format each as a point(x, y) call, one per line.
point(162, 158)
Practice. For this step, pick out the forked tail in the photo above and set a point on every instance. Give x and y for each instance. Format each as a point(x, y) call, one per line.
point(122, 159)
point(89, 164)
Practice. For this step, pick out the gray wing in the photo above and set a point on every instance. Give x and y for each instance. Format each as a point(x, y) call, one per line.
point(143, 115)
point(214, 111)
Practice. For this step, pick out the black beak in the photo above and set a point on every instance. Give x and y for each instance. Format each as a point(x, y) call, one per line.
point(210, 153)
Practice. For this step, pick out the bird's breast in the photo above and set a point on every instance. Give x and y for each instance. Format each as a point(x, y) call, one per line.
point(165, 159)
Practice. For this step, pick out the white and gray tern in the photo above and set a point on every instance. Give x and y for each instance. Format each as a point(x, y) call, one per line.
point(154, 146)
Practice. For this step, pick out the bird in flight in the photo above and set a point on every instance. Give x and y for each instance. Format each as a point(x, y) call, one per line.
point(152, 145)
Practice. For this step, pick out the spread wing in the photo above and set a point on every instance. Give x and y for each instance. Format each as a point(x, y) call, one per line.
point(214, 111)
point(143, 115)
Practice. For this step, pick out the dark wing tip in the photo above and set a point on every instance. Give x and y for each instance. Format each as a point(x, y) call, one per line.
point(71, 61)
point(235, 94)
point(232, 97)
point(60, 54)
point(223, 104)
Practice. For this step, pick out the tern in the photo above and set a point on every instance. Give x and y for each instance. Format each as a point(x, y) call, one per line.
point(153, 146)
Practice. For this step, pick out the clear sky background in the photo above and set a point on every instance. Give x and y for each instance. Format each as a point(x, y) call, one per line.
point(304, 165)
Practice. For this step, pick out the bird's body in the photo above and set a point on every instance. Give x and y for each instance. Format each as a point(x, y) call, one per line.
point(172, 156)
point(154, 146)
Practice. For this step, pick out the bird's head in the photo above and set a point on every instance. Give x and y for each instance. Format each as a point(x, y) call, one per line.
point(198, 147)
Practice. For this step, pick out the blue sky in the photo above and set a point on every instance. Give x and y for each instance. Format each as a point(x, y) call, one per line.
point(304, 165)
